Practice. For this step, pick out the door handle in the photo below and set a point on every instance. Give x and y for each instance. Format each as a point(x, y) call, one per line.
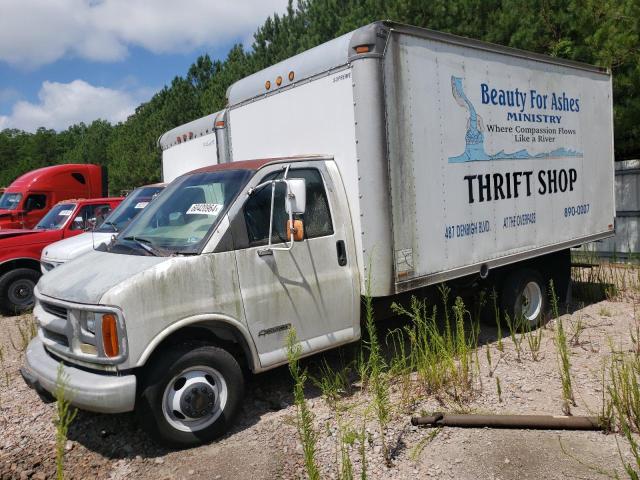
point(342, 253)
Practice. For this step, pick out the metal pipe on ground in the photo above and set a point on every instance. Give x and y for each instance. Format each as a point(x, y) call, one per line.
point(534, 422)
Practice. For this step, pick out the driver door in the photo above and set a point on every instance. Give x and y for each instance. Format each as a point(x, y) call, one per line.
point(314, 286)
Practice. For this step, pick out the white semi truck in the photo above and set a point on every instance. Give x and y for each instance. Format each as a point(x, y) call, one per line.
point(395, 154)
point(195, 144)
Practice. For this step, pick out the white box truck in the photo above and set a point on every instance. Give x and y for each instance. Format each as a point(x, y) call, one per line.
point(199, 143)
point(402, 155)
point(195, 144)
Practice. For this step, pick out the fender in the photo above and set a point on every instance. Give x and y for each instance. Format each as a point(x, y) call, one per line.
point(198, 319)
point(20, 259)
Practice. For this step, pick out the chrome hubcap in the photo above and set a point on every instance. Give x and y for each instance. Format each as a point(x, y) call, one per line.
point(194, 399)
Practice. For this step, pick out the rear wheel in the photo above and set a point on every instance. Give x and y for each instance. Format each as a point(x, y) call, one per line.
point(192, 395)
point(524, 297)
point(16, 290)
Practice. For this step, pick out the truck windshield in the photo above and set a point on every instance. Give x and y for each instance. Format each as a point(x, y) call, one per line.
point(129, 208)
point(10, 201)
point(180, 220)
point(57, 217)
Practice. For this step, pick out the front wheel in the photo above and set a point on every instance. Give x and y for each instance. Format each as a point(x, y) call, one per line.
point(524, 297)
point(16, 290)
point(191, 396)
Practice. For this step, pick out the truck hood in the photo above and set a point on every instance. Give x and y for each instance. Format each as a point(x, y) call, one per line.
point(88, 277)
point(17, 232)
point(19, 239)
point(73, 247)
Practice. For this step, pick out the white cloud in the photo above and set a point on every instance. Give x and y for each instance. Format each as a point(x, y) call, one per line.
point(63, 104)
point(37, 32)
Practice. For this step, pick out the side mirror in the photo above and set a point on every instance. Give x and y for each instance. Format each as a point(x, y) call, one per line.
point(296, 200)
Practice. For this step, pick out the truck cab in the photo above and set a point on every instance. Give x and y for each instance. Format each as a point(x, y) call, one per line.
point(208, 278)
point(20, 249)
point(33, 194)
point(71, 247)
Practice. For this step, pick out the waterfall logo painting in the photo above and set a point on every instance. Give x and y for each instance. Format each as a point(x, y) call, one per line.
point(474, 137)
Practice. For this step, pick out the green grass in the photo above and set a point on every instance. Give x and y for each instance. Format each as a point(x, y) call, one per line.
point(564, 362)
point(496, 313)
point(304, 416)
point(623, 405)
point(64, 416)
point(442, 357)
point(378, 380)
point(27, 330)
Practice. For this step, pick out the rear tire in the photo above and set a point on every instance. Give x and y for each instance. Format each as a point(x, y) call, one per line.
point(191, 396)
point(524, 295)
point(16, 290)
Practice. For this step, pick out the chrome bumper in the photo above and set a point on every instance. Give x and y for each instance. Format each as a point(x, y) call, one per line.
point(91, 391)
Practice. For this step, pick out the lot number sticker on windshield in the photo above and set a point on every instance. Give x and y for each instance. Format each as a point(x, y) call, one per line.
point(65, 213)
point(204, 209)
point(141, 204)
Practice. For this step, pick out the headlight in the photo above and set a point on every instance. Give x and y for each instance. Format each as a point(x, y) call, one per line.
point(90, 320)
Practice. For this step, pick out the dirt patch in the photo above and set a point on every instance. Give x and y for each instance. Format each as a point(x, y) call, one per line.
point(264, 444)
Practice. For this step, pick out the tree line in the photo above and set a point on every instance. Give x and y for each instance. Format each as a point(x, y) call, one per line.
point(600, 32)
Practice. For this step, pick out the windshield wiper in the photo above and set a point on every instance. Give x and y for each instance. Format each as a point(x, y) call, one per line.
point(146, 245)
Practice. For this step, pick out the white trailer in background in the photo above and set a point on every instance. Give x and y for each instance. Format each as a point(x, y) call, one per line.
point(406, 157)
point(193, 145)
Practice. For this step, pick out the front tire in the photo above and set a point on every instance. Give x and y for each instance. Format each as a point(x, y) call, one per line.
point(192, 395)
point(16, 290)
point(524, 297)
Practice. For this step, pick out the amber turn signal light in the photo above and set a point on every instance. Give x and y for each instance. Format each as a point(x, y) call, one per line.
point(110, 335)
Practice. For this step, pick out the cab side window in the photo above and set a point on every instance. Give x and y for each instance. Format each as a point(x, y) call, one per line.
point(317, 217)
point(90, 216)
point(35, 201)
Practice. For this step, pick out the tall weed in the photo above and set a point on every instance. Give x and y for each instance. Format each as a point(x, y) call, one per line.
point(304, 417)
point(64, 416)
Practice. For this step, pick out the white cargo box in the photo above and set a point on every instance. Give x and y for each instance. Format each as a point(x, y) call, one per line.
point(194, 145)
point(456, 155)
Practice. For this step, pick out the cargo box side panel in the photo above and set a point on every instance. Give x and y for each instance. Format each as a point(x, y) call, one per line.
point(315, 117)
point(492, 156)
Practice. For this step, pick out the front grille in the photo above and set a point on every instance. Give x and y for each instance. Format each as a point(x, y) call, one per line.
point(56, 310)
point(56, 337)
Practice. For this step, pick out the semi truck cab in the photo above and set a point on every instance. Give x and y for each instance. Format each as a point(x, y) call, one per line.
point(33, 194)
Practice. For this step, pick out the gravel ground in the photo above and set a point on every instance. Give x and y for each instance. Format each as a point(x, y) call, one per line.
point(264, 443)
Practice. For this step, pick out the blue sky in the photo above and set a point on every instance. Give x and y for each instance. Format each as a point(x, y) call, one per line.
point(66, 61)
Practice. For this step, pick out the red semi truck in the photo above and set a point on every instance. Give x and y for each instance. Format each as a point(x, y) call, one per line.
point(20, 249)
point(32, 195)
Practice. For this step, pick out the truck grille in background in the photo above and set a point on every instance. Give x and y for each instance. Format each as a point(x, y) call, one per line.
point(48, 266)
point(55, 310)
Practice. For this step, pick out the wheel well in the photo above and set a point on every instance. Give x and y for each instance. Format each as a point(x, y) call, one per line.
point(209, 333)
point(20, 263)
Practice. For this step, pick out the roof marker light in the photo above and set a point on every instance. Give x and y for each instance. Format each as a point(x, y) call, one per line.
point(220, 124)
point(279, 80)
point(291, 76)
point(267, 84)
point(362, 49)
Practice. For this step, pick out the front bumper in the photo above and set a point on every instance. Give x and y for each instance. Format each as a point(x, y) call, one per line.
point(91, 391)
